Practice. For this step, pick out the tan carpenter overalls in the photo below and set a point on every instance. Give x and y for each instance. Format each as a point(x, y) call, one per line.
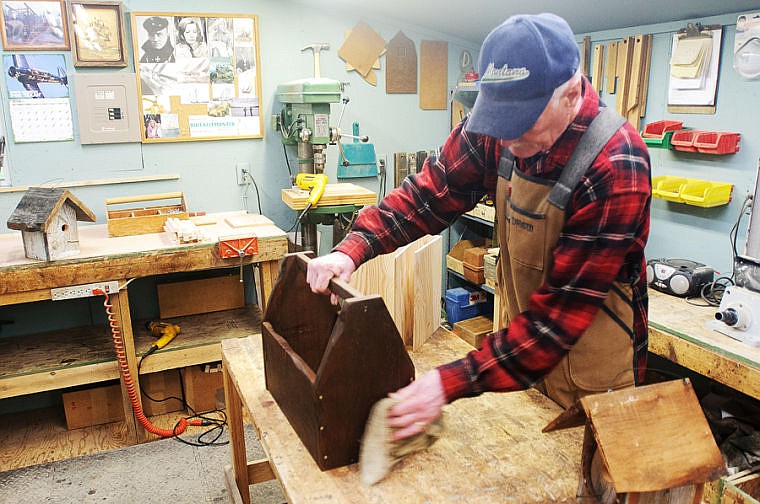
point(530, 213)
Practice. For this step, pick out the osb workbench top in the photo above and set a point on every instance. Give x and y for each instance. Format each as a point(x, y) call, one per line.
point(492, 450)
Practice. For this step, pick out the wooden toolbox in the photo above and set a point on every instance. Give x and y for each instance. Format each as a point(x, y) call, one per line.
point(124, 220)
point(326, 366)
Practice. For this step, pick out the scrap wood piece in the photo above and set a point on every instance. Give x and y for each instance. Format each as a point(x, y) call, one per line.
point(427, 289)
point(586, 56)
point(434, 60)
point(362, 48)
point(634, 82)
point(623, 71)
point(247, 219)
point(401, 65)
point(335, 194)
point(371, 76)
point(644, 89)
point(612, 50)
point(597, 71)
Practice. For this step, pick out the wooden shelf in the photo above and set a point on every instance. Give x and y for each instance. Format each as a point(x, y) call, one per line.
point(479, 220)
point(199, 337)
point(56, 359)
point(483, 286)
point(67, 358)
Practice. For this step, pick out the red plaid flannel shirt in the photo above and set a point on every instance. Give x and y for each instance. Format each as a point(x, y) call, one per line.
point(603, 240)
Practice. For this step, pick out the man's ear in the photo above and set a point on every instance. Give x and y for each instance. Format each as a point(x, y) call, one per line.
point(572, 94)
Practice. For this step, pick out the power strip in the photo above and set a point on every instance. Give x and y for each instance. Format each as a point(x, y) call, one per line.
point(82, 291)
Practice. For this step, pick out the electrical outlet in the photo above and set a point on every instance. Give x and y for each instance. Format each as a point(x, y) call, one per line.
point(243, 172)
point(82, 291)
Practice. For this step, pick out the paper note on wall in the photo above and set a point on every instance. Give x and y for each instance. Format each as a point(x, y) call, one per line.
point(699, 90)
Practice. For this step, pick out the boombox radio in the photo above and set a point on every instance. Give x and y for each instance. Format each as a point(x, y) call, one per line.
point(679, 277)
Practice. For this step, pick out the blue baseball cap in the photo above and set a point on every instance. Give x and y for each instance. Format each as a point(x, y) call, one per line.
point(521, 63)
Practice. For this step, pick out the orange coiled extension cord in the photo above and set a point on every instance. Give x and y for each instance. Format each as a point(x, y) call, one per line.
point(121, 356)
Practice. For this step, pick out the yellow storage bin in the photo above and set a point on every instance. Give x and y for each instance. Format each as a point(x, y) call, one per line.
point(668, 187)
point(706, 193)
point(703, 193)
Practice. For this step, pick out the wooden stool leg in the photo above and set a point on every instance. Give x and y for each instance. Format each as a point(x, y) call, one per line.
point(237, 436)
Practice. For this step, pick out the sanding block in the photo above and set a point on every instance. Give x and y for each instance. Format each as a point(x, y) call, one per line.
point(378, 453)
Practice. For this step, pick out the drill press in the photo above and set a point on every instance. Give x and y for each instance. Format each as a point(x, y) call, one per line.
point(304, 121)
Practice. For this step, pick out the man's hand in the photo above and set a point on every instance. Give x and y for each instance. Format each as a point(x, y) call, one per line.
point(322, 269)
point(421, 403)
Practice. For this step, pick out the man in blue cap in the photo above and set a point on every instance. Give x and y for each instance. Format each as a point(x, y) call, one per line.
point(158, 48)
point(571, 183)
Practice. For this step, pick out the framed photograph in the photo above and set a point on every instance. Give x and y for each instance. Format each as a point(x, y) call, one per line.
point(198, 76)
point(31, 25)
point(97, 34)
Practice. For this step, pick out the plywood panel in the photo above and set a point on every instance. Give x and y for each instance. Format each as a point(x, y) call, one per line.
point(409, 281)
point(378, 276)
point(434, 61)
point(335, 194)
point(427, 289)
point(200, 296)
point(401, 65)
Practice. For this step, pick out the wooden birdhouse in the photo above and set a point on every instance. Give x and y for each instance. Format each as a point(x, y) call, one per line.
point(47, 218)
point(649, 444)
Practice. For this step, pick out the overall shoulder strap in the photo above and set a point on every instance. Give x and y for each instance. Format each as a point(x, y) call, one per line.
point(506, 164)
point(599, 132)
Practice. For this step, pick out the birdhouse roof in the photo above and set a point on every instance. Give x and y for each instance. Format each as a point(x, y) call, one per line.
point(650, 438)
point(39, 205)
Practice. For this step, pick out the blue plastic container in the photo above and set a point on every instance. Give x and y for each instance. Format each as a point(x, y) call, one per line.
point(463, 303)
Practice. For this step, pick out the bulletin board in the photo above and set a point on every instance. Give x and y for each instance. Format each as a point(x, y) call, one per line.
point(198, 76)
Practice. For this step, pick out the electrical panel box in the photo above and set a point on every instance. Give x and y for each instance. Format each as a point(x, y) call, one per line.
point(107, 108)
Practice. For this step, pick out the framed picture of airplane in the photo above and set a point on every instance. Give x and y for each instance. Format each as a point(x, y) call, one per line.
point(97, 34)
point(30, 25)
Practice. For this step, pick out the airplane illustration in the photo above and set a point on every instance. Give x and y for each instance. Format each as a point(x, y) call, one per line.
point(31, 78)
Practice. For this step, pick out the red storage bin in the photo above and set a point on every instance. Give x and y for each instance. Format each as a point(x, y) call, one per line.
point(683, 140)
point(717, 142)
point(658, 128)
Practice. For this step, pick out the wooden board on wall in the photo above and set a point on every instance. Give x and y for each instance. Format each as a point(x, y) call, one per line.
point(401, 65)
point(434, 61)
point(625, 49)
point(611, 67)
point(597, 68)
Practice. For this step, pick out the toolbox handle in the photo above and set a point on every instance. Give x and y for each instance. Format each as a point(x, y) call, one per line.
point(143, 197)
point(337, 286)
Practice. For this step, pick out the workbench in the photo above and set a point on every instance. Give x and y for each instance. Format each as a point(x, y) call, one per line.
point(85, 355)
point(492, 449)
point(678, 332)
